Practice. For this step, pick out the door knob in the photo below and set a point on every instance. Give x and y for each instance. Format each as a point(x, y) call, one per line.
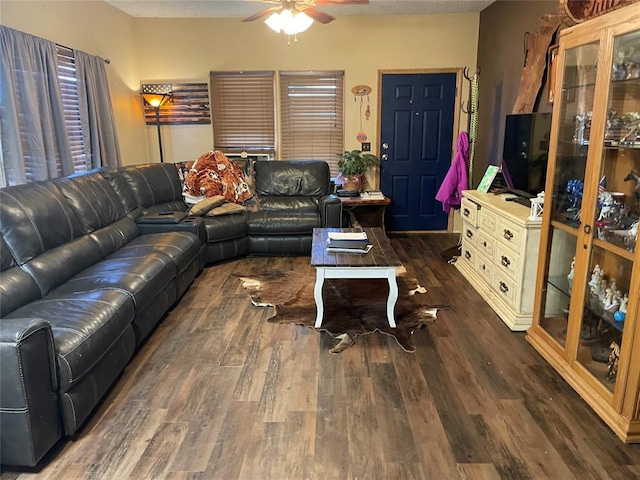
point(385, 146)
point(385, 157)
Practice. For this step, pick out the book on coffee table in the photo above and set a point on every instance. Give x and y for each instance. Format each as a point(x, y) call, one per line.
point(347, 236)
point(356, 244)
point(359, 250)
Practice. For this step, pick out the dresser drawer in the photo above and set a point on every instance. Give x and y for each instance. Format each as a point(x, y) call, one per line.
point(468, 255)
point(485, 244)
point(510, 234)
point(488, 221)
point(508, 261)
point(504, 287)
point(469, 235)
point(469, 211)
point(485, 267)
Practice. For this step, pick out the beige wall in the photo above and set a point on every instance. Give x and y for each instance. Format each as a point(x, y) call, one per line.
point(187, 49)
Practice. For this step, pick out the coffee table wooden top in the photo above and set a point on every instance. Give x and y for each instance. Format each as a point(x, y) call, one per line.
point(381, 255)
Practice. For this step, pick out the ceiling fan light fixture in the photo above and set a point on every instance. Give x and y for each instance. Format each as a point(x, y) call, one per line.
point(288, 22)
point(302, 22)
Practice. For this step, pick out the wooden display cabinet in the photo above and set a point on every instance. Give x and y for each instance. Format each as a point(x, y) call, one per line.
point(585, 318)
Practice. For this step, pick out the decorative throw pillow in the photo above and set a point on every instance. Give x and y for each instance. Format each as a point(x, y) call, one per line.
point(205, 205)
point(225, 209)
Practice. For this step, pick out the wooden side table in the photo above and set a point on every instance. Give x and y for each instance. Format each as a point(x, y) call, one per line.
point(365, 212)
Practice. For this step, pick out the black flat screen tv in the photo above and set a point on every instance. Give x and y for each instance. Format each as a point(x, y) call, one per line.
point(526, 151)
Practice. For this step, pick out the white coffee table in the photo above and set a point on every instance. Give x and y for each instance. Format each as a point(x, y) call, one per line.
point(380, 262)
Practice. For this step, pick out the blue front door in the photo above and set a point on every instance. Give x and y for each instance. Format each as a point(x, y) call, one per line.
point(416, 138)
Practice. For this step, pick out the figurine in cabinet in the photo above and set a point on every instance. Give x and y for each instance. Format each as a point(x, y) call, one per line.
point(631, 121)
point(613, 361)
point(633, 176)
point(623, 303)
point(571, 274)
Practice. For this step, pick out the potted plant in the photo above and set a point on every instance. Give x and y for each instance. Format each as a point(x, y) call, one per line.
point(353, 165)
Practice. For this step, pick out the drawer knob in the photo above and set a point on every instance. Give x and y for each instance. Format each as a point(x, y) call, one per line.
point(466, 212)
point(505, 261)
point(503, 287)
point(507, 234)
point(484, 244)
point(467, 255)
point(469, 234)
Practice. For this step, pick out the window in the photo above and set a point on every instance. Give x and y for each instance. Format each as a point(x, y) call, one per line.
point(243, 111)
point(69, 93)
point(311, 114)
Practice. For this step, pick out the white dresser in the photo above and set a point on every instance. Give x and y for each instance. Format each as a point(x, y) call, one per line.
point(500, 254)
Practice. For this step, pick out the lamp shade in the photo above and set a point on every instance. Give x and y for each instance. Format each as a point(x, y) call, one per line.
point(156, 100)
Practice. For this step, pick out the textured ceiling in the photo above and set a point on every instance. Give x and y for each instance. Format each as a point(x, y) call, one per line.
point(245, 8)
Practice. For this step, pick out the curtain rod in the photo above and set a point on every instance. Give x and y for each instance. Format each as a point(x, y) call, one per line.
point(105, 60)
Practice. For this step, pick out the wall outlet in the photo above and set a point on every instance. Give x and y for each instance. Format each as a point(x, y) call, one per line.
point(366, 146)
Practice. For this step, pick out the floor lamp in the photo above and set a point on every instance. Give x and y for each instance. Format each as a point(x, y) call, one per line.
point(157, 100)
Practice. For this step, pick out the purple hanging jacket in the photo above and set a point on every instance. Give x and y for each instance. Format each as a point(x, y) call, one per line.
point(450, 193)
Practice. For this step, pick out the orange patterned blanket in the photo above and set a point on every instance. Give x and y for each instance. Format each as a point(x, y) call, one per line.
point(214, 174)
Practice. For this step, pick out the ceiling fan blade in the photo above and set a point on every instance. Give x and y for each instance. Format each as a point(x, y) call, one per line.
point(341, 2)
point(318, 16)
point(263, 13)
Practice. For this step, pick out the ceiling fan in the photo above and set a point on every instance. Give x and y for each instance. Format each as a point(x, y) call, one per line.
point(306, 6)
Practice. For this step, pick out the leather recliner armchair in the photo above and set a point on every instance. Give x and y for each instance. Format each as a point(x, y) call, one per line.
point(294, 198)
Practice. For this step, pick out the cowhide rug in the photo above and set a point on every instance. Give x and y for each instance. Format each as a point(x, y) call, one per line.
point(351, 307)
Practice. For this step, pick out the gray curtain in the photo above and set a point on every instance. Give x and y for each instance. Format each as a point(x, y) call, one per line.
point(32, 128)
point(96, 113)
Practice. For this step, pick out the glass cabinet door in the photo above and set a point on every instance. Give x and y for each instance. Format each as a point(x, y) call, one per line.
point(564, 201)
point(615, 223)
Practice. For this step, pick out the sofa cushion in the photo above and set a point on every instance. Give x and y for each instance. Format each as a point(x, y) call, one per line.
point(56, 266)
point(228, 227)
point(115, 236)
point(34, 218)
point(119, 184)
point(85, 325)
point(292, 178)
point(93, 200)
point(142, 277)
point(181, 247)
point(226, 209)
point(153, 183)
point(17, 287)
point(283, 222)
point(294, 202)
point(205, 205)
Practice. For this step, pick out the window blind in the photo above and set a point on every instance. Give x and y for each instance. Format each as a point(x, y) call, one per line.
point(69, 92)
point(243, 111)
point(311, 115)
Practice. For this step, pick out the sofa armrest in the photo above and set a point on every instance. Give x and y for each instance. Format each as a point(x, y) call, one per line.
point(175, 222)
point(330, 211)
point(30, 421)
point(162, 218)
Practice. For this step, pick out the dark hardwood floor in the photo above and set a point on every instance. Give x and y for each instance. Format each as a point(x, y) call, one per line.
point(219, 393)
